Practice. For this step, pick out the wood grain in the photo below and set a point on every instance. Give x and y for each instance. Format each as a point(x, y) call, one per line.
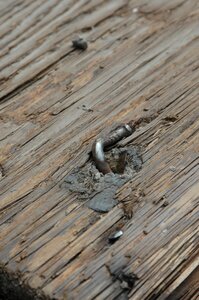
point(142, 61)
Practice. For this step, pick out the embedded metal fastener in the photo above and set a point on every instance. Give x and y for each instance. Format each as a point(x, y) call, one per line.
point(101, 143)
point(115, 236)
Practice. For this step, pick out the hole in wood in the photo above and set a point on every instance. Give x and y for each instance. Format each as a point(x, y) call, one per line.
point(98, 189)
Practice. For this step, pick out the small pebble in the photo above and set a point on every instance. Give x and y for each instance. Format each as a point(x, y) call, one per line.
point(1, 171)
point(130, 279)
point(172, 168)
point(124, 285)
point(135, 10)
point(80, 43)
point(165, 203)
point(102, 202)
point(97, 176)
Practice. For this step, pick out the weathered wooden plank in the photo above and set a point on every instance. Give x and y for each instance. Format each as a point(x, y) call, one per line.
point(188, 289)
point(142, 62)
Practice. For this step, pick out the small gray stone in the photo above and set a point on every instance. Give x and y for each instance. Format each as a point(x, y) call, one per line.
point(172, 168)
point(103, 202)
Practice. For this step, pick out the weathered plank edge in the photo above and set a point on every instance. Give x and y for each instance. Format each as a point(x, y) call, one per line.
point(13, 288)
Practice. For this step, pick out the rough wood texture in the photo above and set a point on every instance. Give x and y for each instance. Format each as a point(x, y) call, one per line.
point(142, 61)
point(188, 289)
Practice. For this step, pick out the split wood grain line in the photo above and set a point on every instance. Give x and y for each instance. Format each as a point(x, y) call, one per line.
point(75, 65)
point(120, 255)
point(38, 55)
point(8, 8)
point(43, 210)
point(45, 228)
point(128, 66)
point(66, 280)
point(188, 288)
point(171, 135)
point(10, 25)
point(71, 66)
point(31, 17)
point(32, 82)
point(41, 62)
point(76, 246)
point(67, 284)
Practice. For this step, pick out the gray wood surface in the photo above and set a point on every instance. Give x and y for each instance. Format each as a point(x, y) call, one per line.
point(142, 61)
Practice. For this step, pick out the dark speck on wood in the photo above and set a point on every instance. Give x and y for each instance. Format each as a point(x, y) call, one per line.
point(80, 43)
